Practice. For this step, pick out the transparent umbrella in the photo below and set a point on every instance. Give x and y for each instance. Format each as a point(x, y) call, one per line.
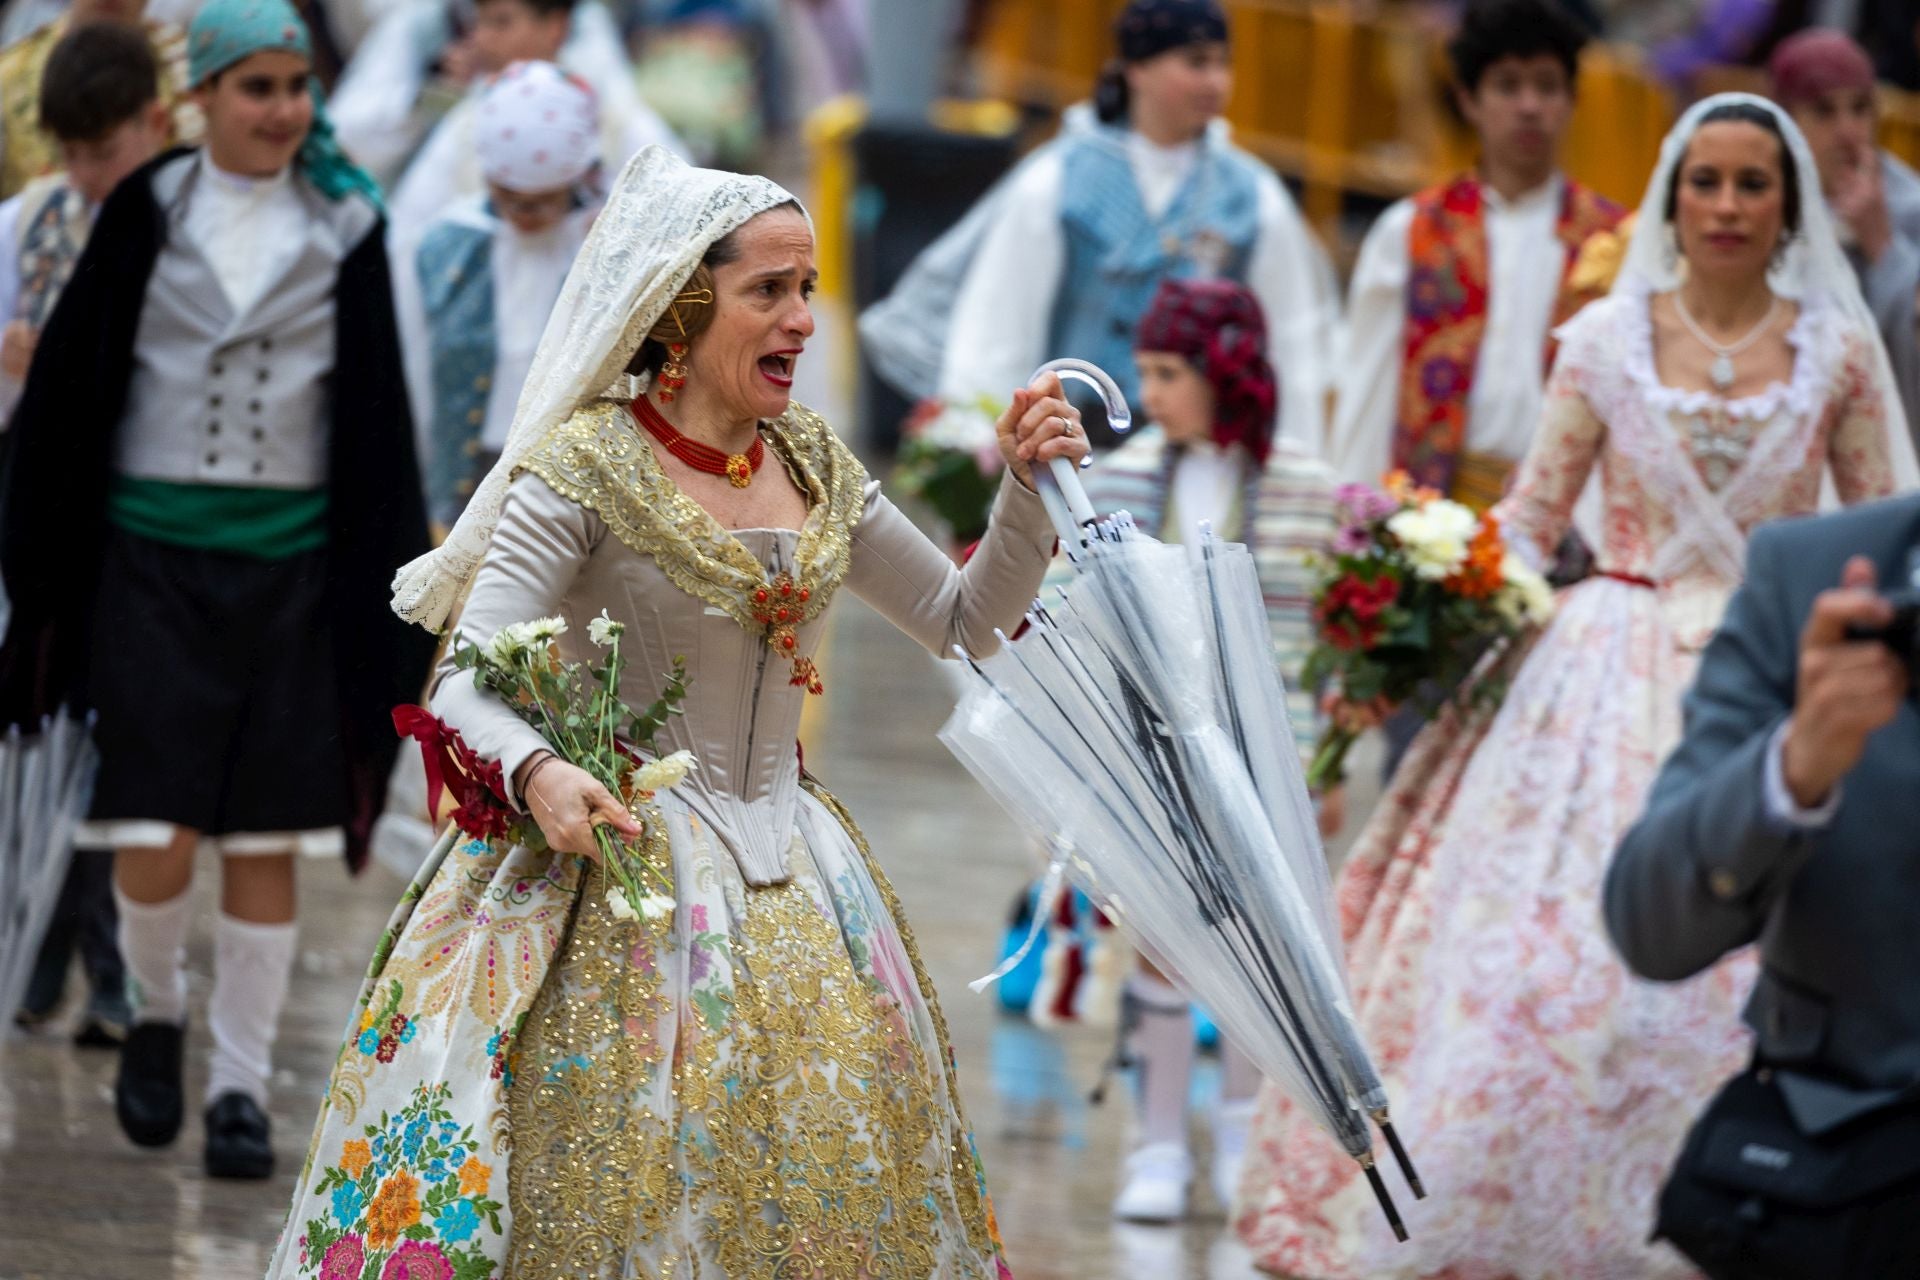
point(46, 780)
point(1138, 729)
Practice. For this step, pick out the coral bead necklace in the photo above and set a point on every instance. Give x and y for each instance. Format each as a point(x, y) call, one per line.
point(738, 468)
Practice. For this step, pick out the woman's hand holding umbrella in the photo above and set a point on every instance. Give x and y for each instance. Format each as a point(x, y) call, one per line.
point(1040, 425)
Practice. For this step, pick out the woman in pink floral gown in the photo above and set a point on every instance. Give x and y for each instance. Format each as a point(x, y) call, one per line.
point(1544, 1090)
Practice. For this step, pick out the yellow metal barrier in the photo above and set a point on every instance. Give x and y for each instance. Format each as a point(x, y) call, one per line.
point(829, 134)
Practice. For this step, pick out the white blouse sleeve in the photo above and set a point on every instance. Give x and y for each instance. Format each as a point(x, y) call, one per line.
point(644, 127)
point(416, 346)
point(432, 182)
point(373, 106)
point(1360, 444)
point(595, 52)
point(1293, 279)
point(998, 333)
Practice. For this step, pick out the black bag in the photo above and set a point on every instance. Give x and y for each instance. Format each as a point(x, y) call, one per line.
point(1753, 1197)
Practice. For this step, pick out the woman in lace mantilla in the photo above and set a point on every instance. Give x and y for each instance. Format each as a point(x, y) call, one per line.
point(1545, 1090)
point(758, 1082)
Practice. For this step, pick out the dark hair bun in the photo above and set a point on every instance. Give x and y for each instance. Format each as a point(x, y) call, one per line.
point(1110, 93)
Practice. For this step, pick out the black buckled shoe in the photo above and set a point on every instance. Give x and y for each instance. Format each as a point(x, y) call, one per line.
point(239, 1138)
point(146, 1095)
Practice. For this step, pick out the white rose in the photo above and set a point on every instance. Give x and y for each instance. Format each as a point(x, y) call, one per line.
point(1540, 601)
point(618, 904)
point(603, 630)
point(666, 772)
point(960, 426)
point(657, 906)
point(1434, 537)
point(1441, 520)
point(1436, 562)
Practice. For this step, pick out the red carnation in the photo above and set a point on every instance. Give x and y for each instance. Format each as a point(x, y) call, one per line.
point(1348, 613)
point(1369, 598)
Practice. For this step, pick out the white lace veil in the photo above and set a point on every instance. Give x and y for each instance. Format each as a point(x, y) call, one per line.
point(1814, 270)
point(659, 222)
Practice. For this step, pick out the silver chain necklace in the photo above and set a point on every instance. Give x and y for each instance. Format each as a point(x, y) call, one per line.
point(1721, 370)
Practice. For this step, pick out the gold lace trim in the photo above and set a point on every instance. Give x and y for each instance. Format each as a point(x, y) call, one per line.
point(599, 459)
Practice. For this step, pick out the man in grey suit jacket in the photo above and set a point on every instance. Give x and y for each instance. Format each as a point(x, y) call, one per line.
point(1790, 815)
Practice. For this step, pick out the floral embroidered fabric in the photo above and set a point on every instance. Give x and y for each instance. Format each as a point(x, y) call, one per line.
point(754, 1085)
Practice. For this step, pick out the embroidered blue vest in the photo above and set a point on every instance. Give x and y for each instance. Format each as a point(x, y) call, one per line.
point(1117, 255)
point(455, 263)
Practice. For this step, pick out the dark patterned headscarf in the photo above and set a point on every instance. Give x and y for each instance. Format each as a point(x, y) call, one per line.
point(1148, 28)
point(1218, 326)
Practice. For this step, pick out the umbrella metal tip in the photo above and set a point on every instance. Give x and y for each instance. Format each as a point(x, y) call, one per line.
point(1400, 1156)
point(1386, 1201)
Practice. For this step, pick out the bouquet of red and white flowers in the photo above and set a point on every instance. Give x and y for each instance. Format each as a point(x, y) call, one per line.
point(950, 458)
point(577, 709)
point(1414, 591)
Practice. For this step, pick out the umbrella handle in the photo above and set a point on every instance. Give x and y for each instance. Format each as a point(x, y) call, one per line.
point(1067, 505)
point(1060, 488)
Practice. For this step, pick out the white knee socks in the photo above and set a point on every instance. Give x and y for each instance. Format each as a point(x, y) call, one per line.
point(1161, 1045)
point(1232, 1119)
point(153, 941)
point(251, 965)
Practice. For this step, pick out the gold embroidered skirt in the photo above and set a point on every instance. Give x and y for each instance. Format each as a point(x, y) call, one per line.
point(753, 1086)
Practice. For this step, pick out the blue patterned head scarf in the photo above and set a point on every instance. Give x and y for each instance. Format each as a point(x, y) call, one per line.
point(226, 31)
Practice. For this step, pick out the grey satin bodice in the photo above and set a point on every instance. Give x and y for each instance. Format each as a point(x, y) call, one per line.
point(554, 555)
